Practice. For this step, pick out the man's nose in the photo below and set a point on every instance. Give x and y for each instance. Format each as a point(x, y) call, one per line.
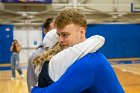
point(61, 39)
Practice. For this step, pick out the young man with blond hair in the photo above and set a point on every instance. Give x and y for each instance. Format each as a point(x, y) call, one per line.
point(91, 73)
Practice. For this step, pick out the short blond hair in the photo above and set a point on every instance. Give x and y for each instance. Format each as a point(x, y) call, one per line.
point(70, 16)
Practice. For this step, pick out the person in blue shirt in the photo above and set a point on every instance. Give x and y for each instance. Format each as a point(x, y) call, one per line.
point(91, 73)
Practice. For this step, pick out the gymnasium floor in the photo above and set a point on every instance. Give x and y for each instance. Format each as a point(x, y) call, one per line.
point(128, 74)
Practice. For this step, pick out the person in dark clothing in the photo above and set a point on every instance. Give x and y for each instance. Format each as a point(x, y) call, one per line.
point(44, 79)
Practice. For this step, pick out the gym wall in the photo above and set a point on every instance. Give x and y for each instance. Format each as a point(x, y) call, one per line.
point(6, 37)
point(122, 40)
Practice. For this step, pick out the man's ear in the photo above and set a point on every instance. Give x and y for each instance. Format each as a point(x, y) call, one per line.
point(82, 31)
point(45, 31)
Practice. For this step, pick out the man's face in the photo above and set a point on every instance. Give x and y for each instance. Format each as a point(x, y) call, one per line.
point(51, 26)
point(70, 35)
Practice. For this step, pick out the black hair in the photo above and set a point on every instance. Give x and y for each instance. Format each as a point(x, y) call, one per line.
point(47, 23)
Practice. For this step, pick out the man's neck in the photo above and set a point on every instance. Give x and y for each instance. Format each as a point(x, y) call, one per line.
point(83, 39)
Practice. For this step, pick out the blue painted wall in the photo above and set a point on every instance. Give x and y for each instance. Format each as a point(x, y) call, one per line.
point(6, 37)
point(122, 40)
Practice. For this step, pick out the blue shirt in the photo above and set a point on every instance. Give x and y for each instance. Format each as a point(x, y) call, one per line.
point(90, 74)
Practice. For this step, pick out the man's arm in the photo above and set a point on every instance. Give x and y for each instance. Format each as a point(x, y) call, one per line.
point(70, 55)
point(31, 77)
point(76, 79)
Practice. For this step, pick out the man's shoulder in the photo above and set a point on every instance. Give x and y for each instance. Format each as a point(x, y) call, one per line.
point(89, 62)
point(97, 54)
point(40, 46)
point(92, 55)
point(90, 58)
point(36, 53)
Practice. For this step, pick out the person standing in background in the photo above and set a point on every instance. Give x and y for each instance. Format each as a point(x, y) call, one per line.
point(15, 49)
point(31, 76)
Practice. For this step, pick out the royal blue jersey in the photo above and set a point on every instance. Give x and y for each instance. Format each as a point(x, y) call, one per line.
point(90, 74)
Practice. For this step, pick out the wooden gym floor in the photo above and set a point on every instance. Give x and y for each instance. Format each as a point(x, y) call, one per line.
point(128, 74)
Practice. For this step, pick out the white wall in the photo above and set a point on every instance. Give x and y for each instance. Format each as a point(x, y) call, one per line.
point(29, 39)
